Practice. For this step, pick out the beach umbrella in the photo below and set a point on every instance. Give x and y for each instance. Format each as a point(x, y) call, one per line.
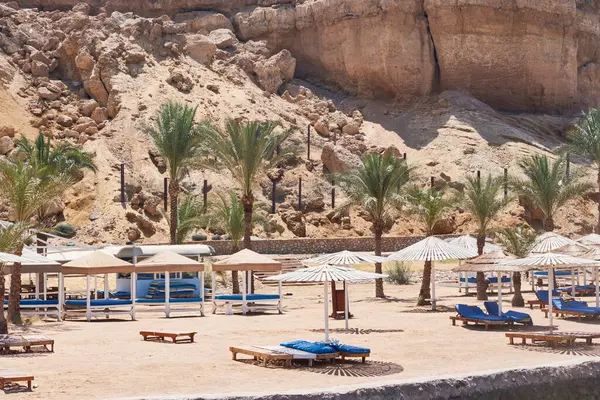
point(166, 262)
point(550, 241)
point(494, 261)
point(345, 258)
point(575, 250)
point(431, 249)
point(468, 242)
point(327, 273)
point(592, 239)
point(550, 261)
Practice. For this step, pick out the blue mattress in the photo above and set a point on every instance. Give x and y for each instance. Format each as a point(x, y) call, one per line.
point(171, 300)
point(309, 347)
point(249, 297)
point(491, 279)
point(556, 273)
point(476, 313)
point(36, 302)
point(99, 302)
point(514, 316)
point(349, 349)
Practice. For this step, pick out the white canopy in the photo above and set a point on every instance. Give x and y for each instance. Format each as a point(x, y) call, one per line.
point(591, 239)
point(468, 242)
point(326, 273)
point(550, 241)
point(168, 261)
point(30, 262)
point(345, 257)
point(97, 263)
point(431, 249)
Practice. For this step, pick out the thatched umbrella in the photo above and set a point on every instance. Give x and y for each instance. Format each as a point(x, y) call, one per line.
point(550, 261)
point(431, 249)
point(550, 241)
point(327, 273)
point(494, 261)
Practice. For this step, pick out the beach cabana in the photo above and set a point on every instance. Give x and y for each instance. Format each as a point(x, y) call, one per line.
point(32, 263)
point(550, 261)
point(575, 250)
point(326, 273)
point(246, 261)
point(343, 258)
point(431, 249)
point(468, 242)
point(99, 263)
point(167, 262)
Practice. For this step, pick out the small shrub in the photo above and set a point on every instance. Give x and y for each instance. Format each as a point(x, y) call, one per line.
point(399, 274)
point(199, 237)
point(64, 230)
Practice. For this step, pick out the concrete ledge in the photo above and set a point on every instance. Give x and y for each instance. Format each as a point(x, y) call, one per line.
point(570, 380)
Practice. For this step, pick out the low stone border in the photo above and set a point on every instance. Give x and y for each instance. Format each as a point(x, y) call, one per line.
point(560, 381)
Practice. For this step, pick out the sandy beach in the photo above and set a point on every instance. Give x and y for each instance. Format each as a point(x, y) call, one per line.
point(108, 359)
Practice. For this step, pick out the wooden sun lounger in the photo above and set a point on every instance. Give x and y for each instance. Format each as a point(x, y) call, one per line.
point(362, 356)
point(8, 375)
point(536, 302)
point(261, 354)
point(569, 313)
point(175, 337)
point(466, 321)
point(552, 339)
point(26, 342)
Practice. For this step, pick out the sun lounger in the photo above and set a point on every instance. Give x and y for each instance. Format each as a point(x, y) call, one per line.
point(261, 301)
point(197, 302)
point(572, 309)
point(11, 376)
point(542, 298)
point(553, 338)
point(517, 317)
point(476, 315)
point(106, 307)
point(580, 290)
point(175, 337)
point(39, 307)
point(349, 351)
point(321, 351)
point(261, 354)
point(26, 342)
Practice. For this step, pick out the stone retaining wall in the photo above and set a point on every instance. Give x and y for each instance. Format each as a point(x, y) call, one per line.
point(316, 246)
point(559, 382)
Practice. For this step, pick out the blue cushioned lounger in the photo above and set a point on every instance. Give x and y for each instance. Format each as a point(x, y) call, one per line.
point(309, 347)
point(542, 295)
point(522, 318)
point(494, 279)
point(171, 300)
point(348, 349)
point(99, 302)
point(249, 297)
point(470, 280)
point(36, 302)
point(476, 313)
point(556, 273)
point(562, 305)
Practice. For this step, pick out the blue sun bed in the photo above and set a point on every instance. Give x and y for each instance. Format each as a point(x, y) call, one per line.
point(98, 303)
point(249, 297)
point(35, 302)
point(310, 347)
point(575, 306)
point(474, 314)
point(522, 318)
point(171, 300)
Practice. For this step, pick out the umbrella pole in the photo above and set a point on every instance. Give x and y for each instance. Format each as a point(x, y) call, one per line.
point(346, 303)
point(61, 295)
point(573, 282)
point(244, 280)
point(326, 308)
point(167, 294)
point(433, 299)
point(597, 290)
point(550, 290)
point(88, 312)
point(95, 287)
point(499, 294)
point(202, 292)
point(213, 283)
point(106, 288)
point(133, 294)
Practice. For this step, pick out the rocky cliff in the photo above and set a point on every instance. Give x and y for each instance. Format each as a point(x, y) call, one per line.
point(533, 55)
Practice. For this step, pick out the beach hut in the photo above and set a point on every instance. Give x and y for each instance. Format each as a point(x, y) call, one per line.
point(550, 261)
point(326, 273)
point(98, 263)
point(246, 261)
point(167, 262)
point(32, 263)
point(343, 258)
point(431, 249)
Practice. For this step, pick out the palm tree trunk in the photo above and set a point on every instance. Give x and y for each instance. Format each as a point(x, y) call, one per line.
point(517, 300)
point(598, 225)
point(14, 296)
point(173, 194)
point(3, 322)
point(378, 282)
point(425, 292)
point(482, 285)
point(248, 202)
point(234, 274)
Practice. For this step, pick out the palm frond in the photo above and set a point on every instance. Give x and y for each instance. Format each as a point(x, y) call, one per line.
point(190, 217)
point(228, 215)
point(484, 200)
point(517, 240)
point(584, 139)
point(429, 205)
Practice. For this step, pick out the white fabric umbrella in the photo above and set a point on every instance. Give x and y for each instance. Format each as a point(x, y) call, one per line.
point(550, 241)
point(551, 260)
point(345, 257)
point(591, 239)
point(468, 242)
point(327, 273)
point(431, 249)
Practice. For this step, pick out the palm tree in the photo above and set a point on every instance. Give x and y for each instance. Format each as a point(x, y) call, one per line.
point(484, 200)
point(546, 187)
point(247, 151)
point(64, 158)
point(518, 241)
point(26, 193)
point(177, 141)
point(190, 217)
point(585, 142)
point(429, 205)
point(10, 240)
point(228, 216)
point(375, 187)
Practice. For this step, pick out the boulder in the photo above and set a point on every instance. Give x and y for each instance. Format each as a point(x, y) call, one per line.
point(151, 206)
point(46, 94)
point(133, 234)
point(6, 11)
point(64, 120)
point(223, 38)
point(338, 159)
point(6, 145)
point(38, 68)
point(203, 21)
point(352, 128)
point(90, 73)
point(7, 131)
point(39, 56)
point(275, 71)
point(294, 221)
point(84, 124)
point(200, 48)
point(87, 107)
point(322, 127)
point(82, 8)
point(100, 114)
point(180, 81)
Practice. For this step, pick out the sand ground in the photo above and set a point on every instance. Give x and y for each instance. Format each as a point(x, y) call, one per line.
point(108, 359)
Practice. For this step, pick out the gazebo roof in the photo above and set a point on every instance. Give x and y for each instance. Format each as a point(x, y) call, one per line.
point(247, 260)
point(168, 261)
point(495, 261)
point(97, 262)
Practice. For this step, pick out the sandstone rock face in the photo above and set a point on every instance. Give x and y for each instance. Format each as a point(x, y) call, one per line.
point(338, 159)
point(200, 48)
point(6, 145)
point(275, 71)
